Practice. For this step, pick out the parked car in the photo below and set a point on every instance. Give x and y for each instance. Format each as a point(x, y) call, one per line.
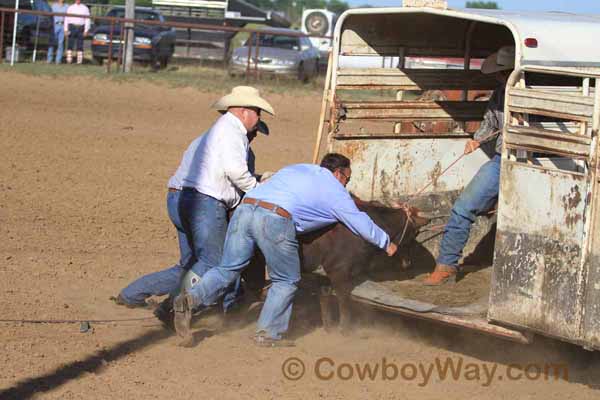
point(152, 43)
point(278, 55)
point(28, 26)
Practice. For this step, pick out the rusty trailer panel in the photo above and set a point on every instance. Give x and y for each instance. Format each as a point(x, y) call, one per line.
point(438, 79)
point(397, 111)
point(556, 105)
point(591, 322)
point(389, 169)
point(543, 256)
point(538, 278)
point(542, 140)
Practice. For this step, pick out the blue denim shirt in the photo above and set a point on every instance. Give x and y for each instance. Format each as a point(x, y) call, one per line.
point(57, 8)
point(315, 198)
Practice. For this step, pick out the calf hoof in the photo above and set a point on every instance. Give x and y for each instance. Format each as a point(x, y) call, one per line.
point(187, 342)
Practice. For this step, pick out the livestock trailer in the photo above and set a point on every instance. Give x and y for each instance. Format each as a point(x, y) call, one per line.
point(402, 123)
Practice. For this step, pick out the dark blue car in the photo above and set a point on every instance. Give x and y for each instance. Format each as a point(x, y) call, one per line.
point(152, 43)
point(32, 30)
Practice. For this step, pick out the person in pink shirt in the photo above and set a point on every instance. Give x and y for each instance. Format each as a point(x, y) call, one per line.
point(75, 29)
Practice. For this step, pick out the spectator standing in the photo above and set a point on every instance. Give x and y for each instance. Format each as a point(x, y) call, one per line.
point(75, 28)
point(58, 37)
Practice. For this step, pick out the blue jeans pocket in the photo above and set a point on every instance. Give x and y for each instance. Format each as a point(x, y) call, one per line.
point(275, 228)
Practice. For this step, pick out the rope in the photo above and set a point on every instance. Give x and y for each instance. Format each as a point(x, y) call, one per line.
point(406, 206)
point(485, 139)
point(71, 321)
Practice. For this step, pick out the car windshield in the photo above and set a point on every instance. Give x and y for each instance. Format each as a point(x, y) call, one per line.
point(144, 15)
point(277, 41)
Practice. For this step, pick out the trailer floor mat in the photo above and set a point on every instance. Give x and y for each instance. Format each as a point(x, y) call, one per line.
point(469, 295)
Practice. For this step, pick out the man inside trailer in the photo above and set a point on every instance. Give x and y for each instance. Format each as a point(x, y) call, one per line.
point(481, 194)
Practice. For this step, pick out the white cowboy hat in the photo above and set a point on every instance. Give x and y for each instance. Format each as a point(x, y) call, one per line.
point(502, 60)
point(243, 96)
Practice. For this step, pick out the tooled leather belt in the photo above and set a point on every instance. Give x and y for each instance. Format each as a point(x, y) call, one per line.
point(268, 206)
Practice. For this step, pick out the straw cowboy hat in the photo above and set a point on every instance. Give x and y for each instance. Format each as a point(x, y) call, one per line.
point(502, 60)
point(243, 96)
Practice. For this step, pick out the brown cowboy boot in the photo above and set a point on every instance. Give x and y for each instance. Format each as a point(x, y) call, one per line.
point(441, 275)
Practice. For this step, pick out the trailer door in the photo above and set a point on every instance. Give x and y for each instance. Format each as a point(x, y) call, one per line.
point(542, 258)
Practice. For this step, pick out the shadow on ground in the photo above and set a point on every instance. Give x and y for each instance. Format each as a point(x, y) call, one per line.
point(29, 387)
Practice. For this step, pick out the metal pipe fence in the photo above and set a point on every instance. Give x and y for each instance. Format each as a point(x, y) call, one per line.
point(35, 34)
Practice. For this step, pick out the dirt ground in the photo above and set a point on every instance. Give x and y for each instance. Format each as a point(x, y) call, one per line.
point(82, 212)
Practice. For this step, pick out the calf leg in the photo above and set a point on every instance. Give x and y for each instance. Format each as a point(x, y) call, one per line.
point(326, 301)
point(342, 284)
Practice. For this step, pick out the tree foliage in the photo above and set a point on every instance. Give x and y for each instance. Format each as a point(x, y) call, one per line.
point(293, 8)
point(482, 4)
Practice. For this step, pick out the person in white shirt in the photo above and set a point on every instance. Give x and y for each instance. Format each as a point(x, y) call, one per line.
point(75, 29)
point(215, 171)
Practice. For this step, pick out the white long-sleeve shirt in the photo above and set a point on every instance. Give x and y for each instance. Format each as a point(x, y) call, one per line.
point(79, 9)
point(216, 163)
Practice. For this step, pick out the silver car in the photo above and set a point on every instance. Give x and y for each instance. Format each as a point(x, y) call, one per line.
point(278, 55)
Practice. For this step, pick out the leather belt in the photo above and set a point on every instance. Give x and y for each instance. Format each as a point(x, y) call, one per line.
point(173, 190)
point(268, 206)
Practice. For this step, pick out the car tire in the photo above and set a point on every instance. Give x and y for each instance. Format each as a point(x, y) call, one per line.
point(98, 60)
point(302, 77)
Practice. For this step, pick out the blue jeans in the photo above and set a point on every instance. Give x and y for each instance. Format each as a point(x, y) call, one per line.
point(479, 196)
point(276, 237)
point(75, 37)
point(58, 39)
point(166, 281)
point(204, 221)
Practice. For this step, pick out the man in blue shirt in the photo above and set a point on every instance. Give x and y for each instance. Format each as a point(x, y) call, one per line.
point(298, 199)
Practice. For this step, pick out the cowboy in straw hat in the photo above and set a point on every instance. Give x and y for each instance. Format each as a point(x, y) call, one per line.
point(246, 97)
point(481, 194)
point(215, 170)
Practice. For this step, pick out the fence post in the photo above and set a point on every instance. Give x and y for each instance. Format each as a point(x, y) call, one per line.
point(1, 37)
point(256, 56)
point(129, 34)
point(121, 43)
point(14, 38)
point(249, 55)
point(110, 46)
point(37, 35)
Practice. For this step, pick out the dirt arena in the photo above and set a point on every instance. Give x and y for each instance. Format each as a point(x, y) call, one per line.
point(82, 212)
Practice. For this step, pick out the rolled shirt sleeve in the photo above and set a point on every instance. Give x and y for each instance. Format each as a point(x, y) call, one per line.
point(358, 222)
point(87, 21)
